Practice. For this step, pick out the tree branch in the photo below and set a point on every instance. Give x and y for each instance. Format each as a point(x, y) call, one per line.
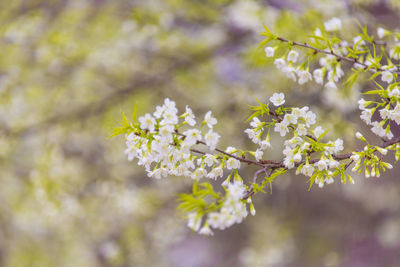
point(330, 52)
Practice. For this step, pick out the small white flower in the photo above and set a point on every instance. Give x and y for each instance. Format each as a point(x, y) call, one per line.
point(255, 122)
point(232, 163)
point(158, 173)
point(250, 133)
point(199, 173)
point(215, 173)
point(333, 24)
point(147, 122)
point(387, 76)
point(355, 157)
point(210, 159)
point(377, 129)
point(180, 170)
point(385, 113)
point(301, 130)
point(189, 118)
point(330, 85)
point(333, 164)
point(359, 40)
point(304, 76)
point(210, 120)
point(289, 162)
point(361, 104)
point(305, 146)
point(366, 116)
point(169, 104)
point(395, 114)
point(359, 135)
point(264, 144)
point(277, 99)
point(383, 151)
point(290, 72)
point(338, 145)
point(303, 111)
point(290, 118)
point(159, 111)
point(252, 210)
point(192, 136)
point(380, 32)
point(318, 131)
point(323, 61)
point(292, 56)
point(231, 150)
point(205, 230)
point(169, 116)
point(297, 157)
point(318, 76)
point(236, 190)
point(322, 165)
point(307, 170)
point(269, 51)
point(288, 152)
point(132, 152)
point(297, 112)
point(317, 32)
point(395, 92)
point(166, 130)
point(281, 128)
point(194, 221)
point(211, 138)
point(329, 180)
point(258, 155)
point(280, 63)
point(310, 118)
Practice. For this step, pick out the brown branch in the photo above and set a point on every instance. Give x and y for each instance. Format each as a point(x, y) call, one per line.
point(242, 159)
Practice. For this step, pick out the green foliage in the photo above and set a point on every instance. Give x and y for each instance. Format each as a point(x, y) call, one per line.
point(268, 180)
point(202, 200)
point(260, 110)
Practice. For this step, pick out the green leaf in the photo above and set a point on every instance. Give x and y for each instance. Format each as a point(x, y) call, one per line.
point(117, 131)
point(374, 92)
point(258, 188)
point(373, 76)
point(125, 120)
point(322, 135)
point(270, 36)
point(195, 187)
point(134, 114)
point(312, 180)
point(352, 78)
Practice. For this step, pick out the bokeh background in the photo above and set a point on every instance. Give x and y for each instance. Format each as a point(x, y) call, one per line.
point(68, 195)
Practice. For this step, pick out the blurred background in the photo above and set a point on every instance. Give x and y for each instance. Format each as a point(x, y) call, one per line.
point(69, 196)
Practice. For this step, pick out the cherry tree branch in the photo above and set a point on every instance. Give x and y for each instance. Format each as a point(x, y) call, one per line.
point(341, 157)
point(331, 52)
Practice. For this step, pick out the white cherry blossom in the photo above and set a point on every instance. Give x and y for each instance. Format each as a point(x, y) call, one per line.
point(277, 99)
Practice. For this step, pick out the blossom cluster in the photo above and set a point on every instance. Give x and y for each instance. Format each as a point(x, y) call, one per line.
point(156, 139)
point(159, 146)
point(367, 160)
point(333, 51)
point(305, 141)
point(233, 211)
point(389, 110)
